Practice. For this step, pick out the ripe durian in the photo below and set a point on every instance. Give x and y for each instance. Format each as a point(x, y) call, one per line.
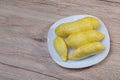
point(61, 48)
point(86, 51)
point(80, 38)
point(84, 24)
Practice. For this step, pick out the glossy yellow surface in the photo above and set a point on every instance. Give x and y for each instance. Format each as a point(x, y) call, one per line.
point(81, 38)
point(86, 50)
point(84, 24)
point(61, 48)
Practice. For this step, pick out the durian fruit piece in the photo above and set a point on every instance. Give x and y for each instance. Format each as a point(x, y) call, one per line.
point(61, 48)
point(86, 51)
point(84, 24)
point(80, 38)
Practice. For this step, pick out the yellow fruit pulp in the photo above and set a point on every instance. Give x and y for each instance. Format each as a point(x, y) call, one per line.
point(80, 38)
point(84, 24)
point(61, 48)
point(86, 50)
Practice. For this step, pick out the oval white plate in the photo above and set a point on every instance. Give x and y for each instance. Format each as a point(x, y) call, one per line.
point(78, 63)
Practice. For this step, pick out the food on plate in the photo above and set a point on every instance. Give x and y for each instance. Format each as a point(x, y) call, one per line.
point(61, 48)
point(84, 24)
point(81, 35)
point(86, 50)
point(81, 38)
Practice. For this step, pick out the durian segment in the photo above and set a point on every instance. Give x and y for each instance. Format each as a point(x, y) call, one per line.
point(86, 51)
point(61, 48)
point(84, 24)
point(81, 38)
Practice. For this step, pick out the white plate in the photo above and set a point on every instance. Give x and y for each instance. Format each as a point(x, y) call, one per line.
point(78, 63)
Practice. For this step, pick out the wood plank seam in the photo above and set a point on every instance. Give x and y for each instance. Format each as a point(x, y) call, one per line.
point(110, 1)
point(13, 66)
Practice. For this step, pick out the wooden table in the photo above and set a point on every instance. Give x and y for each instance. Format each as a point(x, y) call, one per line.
point(24, 25)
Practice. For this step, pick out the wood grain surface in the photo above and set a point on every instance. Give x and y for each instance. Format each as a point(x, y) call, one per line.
point(24, 25)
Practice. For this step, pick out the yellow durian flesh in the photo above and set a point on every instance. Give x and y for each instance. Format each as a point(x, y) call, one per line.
point(80, 38)
point(84, 24)
point(86, 51)
point(61, 48)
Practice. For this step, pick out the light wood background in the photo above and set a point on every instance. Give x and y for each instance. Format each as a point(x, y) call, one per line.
point(24, 25)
